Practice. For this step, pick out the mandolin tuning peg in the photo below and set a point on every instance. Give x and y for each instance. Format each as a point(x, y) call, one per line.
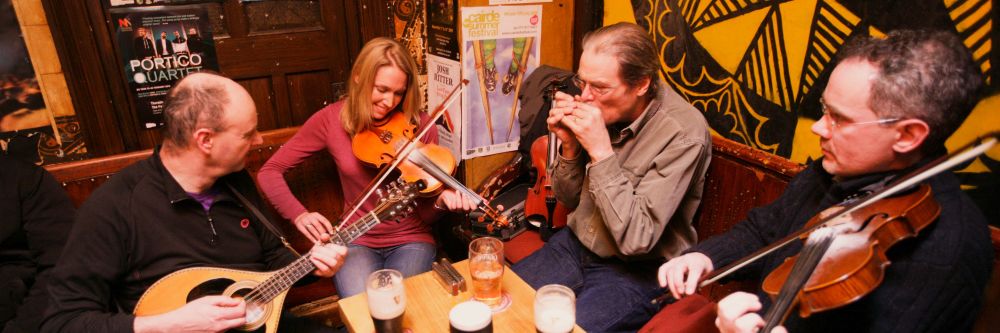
point(379, 192)
point(409, 210)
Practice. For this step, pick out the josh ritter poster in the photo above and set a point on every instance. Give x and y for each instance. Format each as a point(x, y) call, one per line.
point(499, 49)
point(158, 47)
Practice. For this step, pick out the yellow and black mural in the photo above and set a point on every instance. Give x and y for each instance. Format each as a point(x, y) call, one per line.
point(756, 69)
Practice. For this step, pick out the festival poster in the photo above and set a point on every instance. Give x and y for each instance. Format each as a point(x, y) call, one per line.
point(499, 49)
point(159, 46)
point(443, 75)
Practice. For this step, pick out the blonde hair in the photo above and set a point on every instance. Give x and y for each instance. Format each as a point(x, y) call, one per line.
point(377, 53)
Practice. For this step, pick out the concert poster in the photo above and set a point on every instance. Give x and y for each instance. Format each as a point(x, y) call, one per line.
point(499, 49)
point(443, 76)
point(158, 47)
point(442, 33)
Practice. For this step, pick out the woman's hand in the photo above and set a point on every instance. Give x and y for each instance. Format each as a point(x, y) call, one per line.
point(314, 226)
point(454, 201)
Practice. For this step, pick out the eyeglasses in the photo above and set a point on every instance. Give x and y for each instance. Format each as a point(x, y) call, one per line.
point(833, 120)
point(595, 90)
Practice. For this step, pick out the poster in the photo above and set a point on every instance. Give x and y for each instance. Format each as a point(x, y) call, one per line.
point(499, 50)
point(442, 34)
point(30, 128)
point(159, 46)
point(443, 75)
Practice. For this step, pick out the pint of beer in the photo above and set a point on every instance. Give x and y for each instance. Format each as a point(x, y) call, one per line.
point(555, 309)
point(471, 317)
point(486, 268)
point(386, 300)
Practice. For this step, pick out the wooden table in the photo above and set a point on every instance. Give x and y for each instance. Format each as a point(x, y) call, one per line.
point(428, 304)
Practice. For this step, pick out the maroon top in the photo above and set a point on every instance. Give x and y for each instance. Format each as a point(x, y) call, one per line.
point(324, 132)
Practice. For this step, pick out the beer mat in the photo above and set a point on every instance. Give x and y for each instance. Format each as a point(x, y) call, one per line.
point(443, 277)
point(505, 303)
point(457, 277)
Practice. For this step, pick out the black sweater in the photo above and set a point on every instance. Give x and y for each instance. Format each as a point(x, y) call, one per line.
point(36, 216)
point(935, 281)
point(140, 226)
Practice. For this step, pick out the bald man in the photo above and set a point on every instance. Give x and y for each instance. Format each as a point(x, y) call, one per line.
point(172, 211)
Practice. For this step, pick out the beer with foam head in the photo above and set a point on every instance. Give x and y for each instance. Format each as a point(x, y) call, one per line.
point(386, 300)
point(555, 309)
point(486, 268)
point(471, 317)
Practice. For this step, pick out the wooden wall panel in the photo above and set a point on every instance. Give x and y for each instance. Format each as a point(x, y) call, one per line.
point(260, 90)
point(309, 92)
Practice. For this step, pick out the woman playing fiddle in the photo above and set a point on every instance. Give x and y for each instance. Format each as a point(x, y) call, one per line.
point(888, 107)
point(382, 82)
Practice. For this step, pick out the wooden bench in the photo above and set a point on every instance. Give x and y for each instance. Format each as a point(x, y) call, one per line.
point(314, 183)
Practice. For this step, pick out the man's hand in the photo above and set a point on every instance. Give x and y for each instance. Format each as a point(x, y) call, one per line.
point(455, 201)
point(327, 257)
point(206, 314)
point(683, 274)
point(313, 225)
point(563, 105)
point(737, 314)
point(587, 124)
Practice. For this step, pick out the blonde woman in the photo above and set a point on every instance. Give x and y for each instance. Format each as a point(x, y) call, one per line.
point(383, 81)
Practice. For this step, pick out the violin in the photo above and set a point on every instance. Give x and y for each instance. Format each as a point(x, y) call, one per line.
point(844, 258)
point(541, 205)
point(378, 146)
point(382, 146)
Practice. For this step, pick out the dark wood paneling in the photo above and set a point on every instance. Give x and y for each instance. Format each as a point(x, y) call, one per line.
point(260, 91)
point(587, 16)
point(284, 53)
point(85, 54)
point(309, 92)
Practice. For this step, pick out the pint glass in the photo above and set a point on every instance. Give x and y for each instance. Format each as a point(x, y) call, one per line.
point(555, 309)
point(386, 300)
point(486, 268)
point(471, 317)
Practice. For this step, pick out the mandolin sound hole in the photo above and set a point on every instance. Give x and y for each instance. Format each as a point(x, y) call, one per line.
point(210, 287)
point(256, 313)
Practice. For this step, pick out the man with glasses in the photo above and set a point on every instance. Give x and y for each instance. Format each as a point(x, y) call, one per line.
point(632, 164)
point(888, 107)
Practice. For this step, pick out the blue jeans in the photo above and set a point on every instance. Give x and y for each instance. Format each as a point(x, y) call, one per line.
point(409, 259)
point(611, 295)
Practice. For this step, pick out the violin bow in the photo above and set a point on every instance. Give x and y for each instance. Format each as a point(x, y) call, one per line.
point(406, 149)
point(967, 152)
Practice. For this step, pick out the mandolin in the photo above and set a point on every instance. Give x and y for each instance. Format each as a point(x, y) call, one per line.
point(264, 292)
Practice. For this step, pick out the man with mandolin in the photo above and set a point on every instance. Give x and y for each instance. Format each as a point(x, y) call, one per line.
point(888, 107)
point(632, 164)
point(185, 206)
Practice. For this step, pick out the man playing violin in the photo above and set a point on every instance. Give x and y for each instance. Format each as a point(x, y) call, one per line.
point(888, 107)
point(632, 164)
point(174, 210)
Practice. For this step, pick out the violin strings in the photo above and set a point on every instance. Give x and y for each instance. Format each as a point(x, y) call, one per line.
point(812, 252)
